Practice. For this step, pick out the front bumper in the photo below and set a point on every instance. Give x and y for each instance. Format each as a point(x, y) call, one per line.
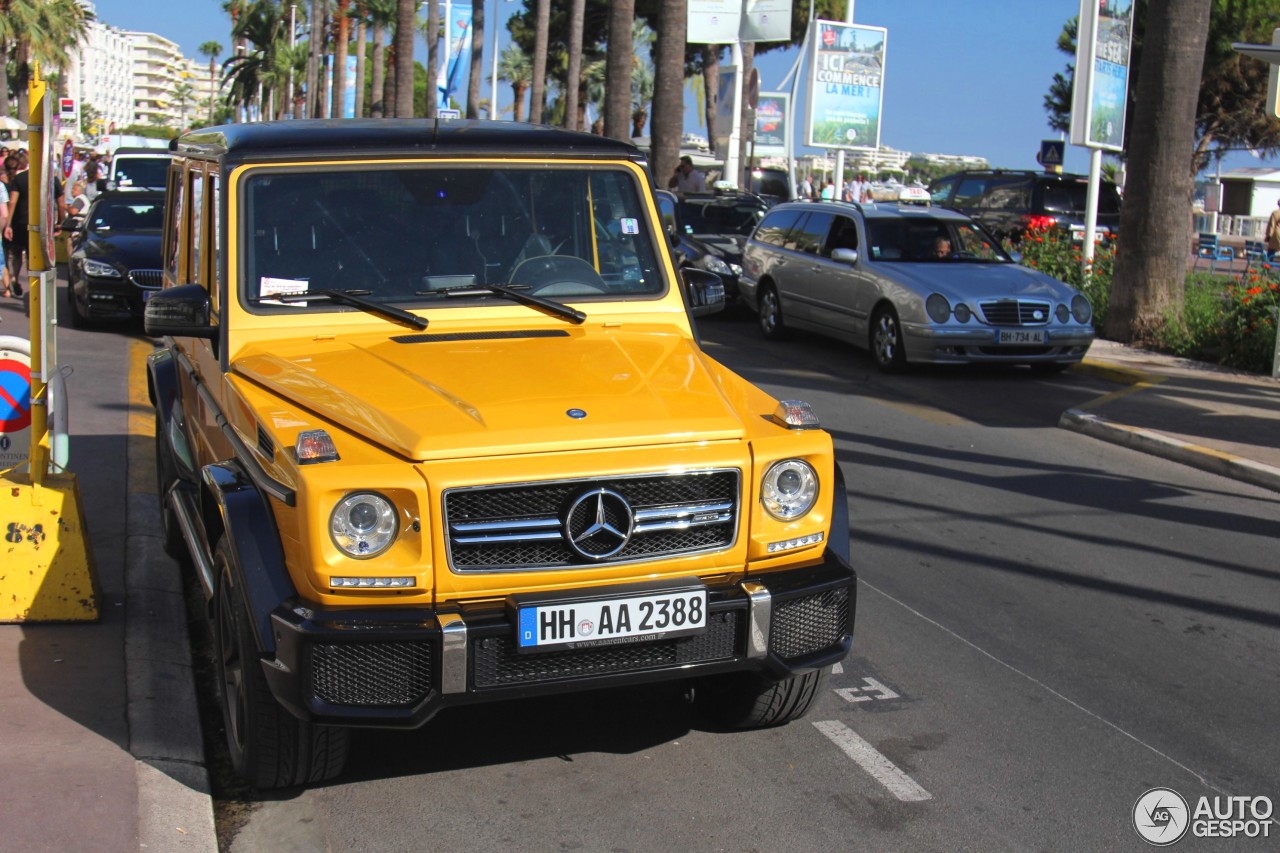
point(398, 668)
point(928, 344)
point(114, 298)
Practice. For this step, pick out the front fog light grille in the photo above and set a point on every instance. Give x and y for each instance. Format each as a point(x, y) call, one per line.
point(805, 625)
point(371, 674)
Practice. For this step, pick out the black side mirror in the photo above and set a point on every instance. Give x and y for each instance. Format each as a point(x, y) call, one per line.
point(183, 312)
point(703, 291)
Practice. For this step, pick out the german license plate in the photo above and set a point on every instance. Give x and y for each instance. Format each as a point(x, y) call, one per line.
point(611, 620)
point(1021, 336)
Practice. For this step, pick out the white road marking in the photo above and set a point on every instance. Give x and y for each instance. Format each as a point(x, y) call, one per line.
point(869, 759)
point(837, 669)
point(873, 690)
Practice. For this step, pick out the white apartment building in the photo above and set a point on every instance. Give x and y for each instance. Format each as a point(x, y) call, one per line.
point(957, 161)
point(131, 77)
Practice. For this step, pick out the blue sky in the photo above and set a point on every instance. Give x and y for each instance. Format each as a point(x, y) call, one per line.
point(960, 77)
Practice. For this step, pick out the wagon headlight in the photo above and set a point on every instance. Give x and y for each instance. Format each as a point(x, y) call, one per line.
point(1081, 309)
point(363, 524)
point(938, 307)
point(789, 489)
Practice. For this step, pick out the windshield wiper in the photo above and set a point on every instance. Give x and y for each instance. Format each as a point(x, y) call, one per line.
point(573, 315)
point(354, 298)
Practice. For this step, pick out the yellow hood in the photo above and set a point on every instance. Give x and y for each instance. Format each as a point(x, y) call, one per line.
point(481, 394)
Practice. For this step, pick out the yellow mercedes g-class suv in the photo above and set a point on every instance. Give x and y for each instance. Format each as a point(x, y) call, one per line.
point(433, 428)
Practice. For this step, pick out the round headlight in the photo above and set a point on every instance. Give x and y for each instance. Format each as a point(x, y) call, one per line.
point(1081, 309)
point(789, 489)
point(713, 264)
point(962, 312)
point(363, 524)
point(938, 307)
point(1063, 313)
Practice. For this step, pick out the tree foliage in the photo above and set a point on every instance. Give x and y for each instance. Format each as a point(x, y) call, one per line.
point(1230, 111)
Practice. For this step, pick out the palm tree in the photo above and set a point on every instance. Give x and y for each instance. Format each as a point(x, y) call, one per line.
point(642, 37)
point(361, 15)
point(432, 30)
point(617, 102)
point(211, 49)
point(341, 39)
point(515, 68)
point(381, 16)
point(573, 79)
point(43, 30)
point(476, 74)
point(255, 72)
point(183, 93)
point(668, 87)
point(315, 41)
point(406, 17)
point(538, 92)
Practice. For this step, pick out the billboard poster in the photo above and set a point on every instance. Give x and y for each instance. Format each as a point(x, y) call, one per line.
point(766, 20)
point(713, 21)
point(846, 86)
point(1101, 88)
point(457, 53)
point(773, 116)
point(724, 107)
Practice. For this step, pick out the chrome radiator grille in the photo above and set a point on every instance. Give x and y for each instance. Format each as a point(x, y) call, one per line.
point(1013, 312)
point(147, 278)
point(588, 522)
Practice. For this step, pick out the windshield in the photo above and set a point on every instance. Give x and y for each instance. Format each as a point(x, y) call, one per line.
point(410, 234)
point(141, 171)
point(127, 215)
point(930, 240)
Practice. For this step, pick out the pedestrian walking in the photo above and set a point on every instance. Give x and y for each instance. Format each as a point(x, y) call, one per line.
point(1273, 231)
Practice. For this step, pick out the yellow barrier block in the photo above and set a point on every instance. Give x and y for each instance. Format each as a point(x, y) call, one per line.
point(46, 573)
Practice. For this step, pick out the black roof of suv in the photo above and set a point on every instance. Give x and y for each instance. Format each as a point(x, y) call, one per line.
point(1008, 201)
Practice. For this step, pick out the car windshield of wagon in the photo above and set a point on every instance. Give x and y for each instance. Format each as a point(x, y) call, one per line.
point(410, 234)
point(713, 217)
point(142, 171)
point(926, 239)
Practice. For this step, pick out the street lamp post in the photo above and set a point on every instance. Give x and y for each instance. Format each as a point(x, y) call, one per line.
point(493, 79)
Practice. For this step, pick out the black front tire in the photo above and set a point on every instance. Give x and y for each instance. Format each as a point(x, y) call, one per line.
point(745, 700)
point(269, 747)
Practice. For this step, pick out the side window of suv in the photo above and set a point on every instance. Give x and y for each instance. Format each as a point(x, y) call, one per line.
point(970, 191)
point(940, 192)
point(1008, 194)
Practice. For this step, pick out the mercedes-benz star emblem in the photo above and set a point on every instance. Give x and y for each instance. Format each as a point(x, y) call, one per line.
point(598, 524)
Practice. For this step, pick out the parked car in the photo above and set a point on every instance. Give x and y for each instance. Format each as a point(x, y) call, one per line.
point(708, 231)
point(772, 184)
point(910, 284)
point(434, 429)
point(1009, 202)
point(139, 169)
point(115, 259)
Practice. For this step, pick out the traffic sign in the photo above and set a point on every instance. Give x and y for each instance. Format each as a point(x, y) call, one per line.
point(15, 406)
point(68, 159)
point(1051, 153)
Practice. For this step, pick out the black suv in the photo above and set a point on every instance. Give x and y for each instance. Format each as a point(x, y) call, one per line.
point(1008, 202)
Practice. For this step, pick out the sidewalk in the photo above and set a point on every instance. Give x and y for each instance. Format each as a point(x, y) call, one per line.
point(1209, 417)
point(99, 731)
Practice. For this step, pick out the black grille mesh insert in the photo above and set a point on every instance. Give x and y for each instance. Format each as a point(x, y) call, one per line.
point(498, 663)
point(805, 625)
point(550, 500)
point(147, 278)
point(371, 674)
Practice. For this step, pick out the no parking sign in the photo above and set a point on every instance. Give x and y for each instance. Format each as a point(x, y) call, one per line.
point(15, 406)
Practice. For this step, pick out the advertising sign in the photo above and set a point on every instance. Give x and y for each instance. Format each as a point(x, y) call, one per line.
point(729, 21)
point(457, 54)
point(846, 86)
point(724, 107)
point(713, 21)
point(766, 20)
point(1101, 87)
point(773, 118)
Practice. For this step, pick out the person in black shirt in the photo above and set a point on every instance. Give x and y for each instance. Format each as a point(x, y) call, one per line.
point(15, 232)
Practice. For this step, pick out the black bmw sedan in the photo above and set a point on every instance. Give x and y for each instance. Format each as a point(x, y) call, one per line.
point(116, 257)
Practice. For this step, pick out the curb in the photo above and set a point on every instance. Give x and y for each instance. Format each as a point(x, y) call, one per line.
point(1111, 372)
point(175, 802)
point(1175, 450)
